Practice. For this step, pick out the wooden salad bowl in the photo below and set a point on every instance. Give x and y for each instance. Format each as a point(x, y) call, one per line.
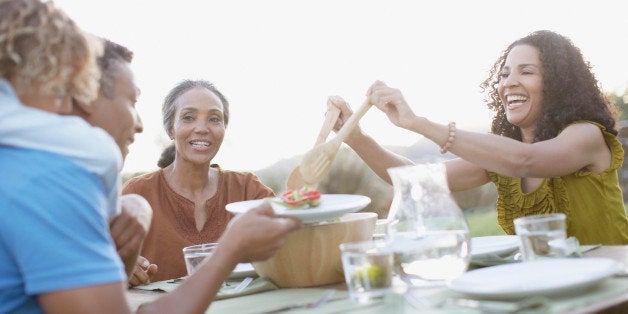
point(311, 256)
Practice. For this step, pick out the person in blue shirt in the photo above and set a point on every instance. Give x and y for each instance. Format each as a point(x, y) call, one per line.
point(57, 253)
point(90, 147)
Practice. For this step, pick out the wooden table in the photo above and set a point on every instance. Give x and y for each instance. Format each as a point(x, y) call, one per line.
point(615, 304)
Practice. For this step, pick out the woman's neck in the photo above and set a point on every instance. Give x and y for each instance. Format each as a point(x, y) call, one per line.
point(188, 176)
point(527, 135)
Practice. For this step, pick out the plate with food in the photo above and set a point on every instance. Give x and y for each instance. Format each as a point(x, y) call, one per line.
point(307, 207)
point(302, 198)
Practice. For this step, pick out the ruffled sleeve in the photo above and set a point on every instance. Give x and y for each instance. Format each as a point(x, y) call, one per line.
point(617, 151)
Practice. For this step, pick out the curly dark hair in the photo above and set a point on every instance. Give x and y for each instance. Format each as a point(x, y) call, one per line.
point(570, 91)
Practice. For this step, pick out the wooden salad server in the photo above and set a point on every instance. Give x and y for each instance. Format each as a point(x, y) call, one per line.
point(317, 162)
point(295, 179)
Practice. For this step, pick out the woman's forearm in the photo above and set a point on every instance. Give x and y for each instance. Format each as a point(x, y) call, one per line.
point(378, 158)
point(502, 154)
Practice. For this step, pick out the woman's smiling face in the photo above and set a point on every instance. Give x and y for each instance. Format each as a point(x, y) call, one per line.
point(521, 86)
point(199, 127)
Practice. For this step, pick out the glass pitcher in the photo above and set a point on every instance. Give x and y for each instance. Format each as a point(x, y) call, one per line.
point(426, 228)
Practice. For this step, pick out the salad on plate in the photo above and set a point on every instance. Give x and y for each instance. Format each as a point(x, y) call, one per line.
point(302, 198)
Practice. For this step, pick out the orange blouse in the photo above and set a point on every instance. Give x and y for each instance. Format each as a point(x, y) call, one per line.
point(173, 226)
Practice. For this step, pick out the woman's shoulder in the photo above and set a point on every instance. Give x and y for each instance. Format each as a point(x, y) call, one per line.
point(589, 125)
point(610, 139)
point(237, 175)
point(590, 131)
point(140, 181)
point(245, 183)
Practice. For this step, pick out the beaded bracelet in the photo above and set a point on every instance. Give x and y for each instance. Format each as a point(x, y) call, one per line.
point(450, 139)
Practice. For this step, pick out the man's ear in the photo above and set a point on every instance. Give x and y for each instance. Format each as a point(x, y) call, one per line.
point(81, 109)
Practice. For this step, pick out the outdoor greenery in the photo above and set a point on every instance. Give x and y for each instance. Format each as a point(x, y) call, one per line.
point(621, 101)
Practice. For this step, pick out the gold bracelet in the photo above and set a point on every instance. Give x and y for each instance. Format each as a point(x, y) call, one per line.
point(450, 139)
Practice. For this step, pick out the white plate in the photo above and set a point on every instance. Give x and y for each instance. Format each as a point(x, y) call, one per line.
point(543, 277)
point(243, 270)
point(489, 246)
point(332, 206)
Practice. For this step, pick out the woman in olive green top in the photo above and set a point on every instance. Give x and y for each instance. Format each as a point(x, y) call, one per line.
point(553, 147)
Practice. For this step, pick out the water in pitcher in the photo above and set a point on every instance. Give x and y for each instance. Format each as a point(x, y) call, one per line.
point(432, 258)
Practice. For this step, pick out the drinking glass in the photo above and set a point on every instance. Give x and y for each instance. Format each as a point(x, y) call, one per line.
point(195, 255)
point(427, 230)
point(542, 236)
point(368, 268)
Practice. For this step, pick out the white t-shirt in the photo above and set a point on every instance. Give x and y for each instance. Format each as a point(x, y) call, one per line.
point(89, 147)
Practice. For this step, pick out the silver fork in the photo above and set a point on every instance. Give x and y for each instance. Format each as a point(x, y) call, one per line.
point(245, 283)
point(312, 305)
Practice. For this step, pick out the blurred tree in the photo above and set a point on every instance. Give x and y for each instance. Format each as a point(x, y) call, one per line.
point(128, 175)
point(621, 101)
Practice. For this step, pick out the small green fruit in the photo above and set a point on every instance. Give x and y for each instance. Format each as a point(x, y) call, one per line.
point(371, 275)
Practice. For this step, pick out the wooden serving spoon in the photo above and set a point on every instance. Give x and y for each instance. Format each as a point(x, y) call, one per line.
point(295, 179)
point(317, 162)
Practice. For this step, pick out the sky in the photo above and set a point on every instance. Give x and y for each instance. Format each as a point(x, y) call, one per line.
point(277, 61)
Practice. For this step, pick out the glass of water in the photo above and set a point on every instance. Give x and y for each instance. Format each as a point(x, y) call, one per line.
point(195, 255)
point(368, 270)
point(542, 236)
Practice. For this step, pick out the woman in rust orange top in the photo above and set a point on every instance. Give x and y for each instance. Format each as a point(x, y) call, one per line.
point(189, 195)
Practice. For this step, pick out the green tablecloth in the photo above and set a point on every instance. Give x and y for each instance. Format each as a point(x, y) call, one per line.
point(396, 303)
point(262, 296)
point(226, 291)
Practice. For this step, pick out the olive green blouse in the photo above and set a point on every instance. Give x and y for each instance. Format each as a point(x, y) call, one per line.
point(593, 203)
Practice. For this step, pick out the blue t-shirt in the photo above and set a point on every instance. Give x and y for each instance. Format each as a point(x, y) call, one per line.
point(54, 232)
point(90, 147)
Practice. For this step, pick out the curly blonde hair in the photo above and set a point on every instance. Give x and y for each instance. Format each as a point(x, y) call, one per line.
point(43, 49)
